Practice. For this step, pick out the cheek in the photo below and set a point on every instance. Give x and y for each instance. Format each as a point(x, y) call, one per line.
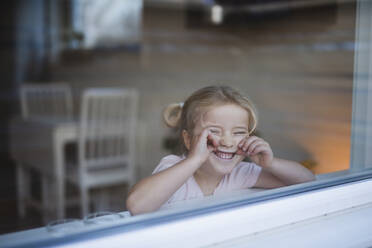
point(239, 139)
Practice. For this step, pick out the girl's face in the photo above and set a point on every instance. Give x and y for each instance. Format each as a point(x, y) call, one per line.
point(228, 125)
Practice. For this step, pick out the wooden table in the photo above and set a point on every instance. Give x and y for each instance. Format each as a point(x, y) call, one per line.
point(40, 144)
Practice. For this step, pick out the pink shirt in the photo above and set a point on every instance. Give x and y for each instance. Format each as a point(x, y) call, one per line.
point(243, 176)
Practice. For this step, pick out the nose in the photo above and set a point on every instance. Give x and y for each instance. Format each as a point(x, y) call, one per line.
point(226, 141)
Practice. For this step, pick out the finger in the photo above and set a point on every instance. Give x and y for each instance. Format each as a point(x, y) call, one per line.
point(254, 144)
point(242, 142)
point(259, 149)
point(240, 152)
point(200, 137)
point(204, 133)
point(211, 143)
point(249, 142)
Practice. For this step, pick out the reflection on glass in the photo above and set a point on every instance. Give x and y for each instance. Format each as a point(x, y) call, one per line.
point(297, 71)
point(102, 217)
point(64, 226)
point(125, 214)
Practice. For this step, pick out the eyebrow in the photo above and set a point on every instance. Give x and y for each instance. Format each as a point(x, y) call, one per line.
point(214, 125)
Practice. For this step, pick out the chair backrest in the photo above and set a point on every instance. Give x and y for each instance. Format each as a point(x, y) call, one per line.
point(107, 127)
point(46, 101)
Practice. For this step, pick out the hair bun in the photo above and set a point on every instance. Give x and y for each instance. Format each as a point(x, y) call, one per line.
point(172, 114)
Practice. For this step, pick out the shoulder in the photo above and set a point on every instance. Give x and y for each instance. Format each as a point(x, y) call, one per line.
point(167, 162)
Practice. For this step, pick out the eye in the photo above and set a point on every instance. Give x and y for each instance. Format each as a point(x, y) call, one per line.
point(215, 131)
point(240, 133)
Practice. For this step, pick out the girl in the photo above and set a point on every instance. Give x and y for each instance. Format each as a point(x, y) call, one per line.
point(215, 125)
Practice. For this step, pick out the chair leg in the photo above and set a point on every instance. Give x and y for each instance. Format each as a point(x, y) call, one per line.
point(21, 189)
point(46, 198)
point(101, 202)
point(84, 201)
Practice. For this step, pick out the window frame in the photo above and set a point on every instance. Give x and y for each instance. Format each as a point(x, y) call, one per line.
point(302, 202)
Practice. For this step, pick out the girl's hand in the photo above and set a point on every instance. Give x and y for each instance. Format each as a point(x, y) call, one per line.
point(258, 150)
point(202, 145)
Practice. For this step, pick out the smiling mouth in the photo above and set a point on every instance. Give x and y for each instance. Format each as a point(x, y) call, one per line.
point(224, 155)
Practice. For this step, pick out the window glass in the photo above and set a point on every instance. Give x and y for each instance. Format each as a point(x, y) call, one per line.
point(304, 65)
point(361, 123)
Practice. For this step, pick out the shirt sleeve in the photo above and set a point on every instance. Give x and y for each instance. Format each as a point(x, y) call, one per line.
point(245, 175)
point(166, 162)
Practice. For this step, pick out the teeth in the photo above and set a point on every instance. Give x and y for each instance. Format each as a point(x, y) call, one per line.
point(225, 155)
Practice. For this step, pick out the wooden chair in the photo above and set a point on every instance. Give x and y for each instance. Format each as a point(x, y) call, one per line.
point(38, 102)
point(106, 141)
point(51, 101)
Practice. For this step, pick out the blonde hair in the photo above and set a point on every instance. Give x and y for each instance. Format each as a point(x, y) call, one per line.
point(185, 115)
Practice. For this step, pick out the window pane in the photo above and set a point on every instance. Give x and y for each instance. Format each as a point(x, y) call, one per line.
point(362, 97)
point(305, 65)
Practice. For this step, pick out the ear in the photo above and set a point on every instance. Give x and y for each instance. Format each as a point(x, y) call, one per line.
point(186, 139)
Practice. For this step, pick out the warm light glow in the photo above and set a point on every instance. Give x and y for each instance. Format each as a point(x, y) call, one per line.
point(331, 153)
